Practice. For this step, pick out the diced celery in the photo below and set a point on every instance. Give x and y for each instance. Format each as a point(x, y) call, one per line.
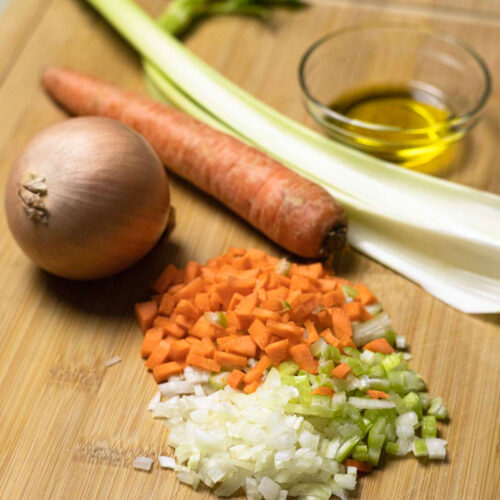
point(391, 361)
point(318, 347)
point(401, 342)
point(217, 318)
point(397, 380)
point(429, 429)
point(414, 382)
point(349, 291)
point(218, 381)
point(425, 400)
point(374, 453)
point(376, 371)
point(314, 411)
point(321, 400)
point(379, 384)
point(401, 407)
point(390, 336)
point(374, 309)
point(288, 368)
point(360, 452)
point(420, 448)
point(392, 448)
point(283, 267)
point(301, 383)
point(326, 367)
point(438, 409)
point(350, 351)
point(412, 401)
point(346, 448)
point(302, 373)
point(357, 367)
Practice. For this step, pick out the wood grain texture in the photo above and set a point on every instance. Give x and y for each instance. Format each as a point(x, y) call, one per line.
point(69, 428)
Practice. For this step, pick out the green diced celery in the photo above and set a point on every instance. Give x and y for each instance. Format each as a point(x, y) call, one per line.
point(326, 367)
point(379, 384)
point(335, 354)
point(350, 351)
point(412, 401)
point(376, 371)
point(390, 336)
point(420, 448)
point(301, 383)
point(392, 448)
point(349, 291)
point(414, 382)
point(360, 452)
point(327, 353)
point(429, 428)
point(357, 367)
point(390, 431)
point(321, 400)
point(401, 407)
point(218, 381)
point(288, 368)
point(397, 380)
point(302, 373)
point(318, 347)
point(438, 409)
point(346, 448)
point(425, 400)
point(391, 361)
point(286, 305)
point(374, 455)
point(309, 410)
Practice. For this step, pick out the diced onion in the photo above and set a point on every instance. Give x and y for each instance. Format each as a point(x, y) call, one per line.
point(143, 463)
point(112, 361)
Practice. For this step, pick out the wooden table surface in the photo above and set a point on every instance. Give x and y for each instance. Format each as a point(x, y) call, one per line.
point(69, 429)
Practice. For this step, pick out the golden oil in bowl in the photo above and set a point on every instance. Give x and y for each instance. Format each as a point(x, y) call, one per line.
point(399, 124)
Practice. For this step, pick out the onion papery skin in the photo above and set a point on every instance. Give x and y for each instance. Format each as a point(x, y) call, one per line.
point(107, 198)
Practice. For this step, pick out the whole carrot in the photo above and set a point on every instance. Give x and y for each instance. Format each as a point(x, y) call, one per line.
point(291, 210)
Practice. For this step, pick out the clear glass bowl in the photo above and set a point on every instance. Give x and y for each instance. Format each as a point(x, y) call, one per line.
point(436, 68)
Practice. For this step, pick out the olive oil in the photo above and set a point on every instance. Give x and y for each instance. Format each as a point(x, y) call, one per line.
point(403, 125)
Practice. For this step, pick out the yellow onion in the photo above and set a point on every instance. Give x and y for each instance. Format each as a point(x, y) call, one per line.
point(87, 198)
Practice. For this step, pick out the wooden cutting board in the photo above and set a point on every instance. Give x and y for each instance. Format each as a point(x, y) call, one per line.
point(69, 428)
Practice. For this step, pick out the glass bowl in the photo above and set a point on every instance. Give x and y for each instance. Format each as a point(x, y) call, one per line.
point(438, 71)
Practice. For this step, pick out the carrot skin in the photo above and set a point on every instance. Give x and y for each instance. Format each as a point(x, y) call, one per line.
point(292, 211)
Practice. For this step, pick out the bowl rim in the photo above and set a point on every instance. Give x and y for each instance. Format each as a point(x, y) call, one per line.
point(415, 28)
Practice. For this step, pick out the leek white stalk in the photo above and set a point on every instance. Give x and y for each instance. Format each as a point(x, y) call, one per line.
point(441, 235)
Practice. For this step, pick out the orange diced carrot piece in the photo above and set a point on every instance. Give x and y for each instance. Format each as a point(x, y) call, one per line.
point(186, 308)
point(251, 387)
point(365, 296)
point(235, 379)
point(162, 372)
point(341, 371)
point(183, 321)
point(172, 290)
point(193, 270)
point(215, 301)
point(312, 333)
point(247, 305)
point(377, 394)
point(152, 338)
point(165, 279)
point(259, 333)
point(365, 315)
point(285, 330)
point(333, 298)
point(277, 351)
point(159, 354)
point(226, 293)
point(330, 338)
point(341, 323)
point(379, 345)
point(179, 349)
point(235, 300)
point(301, 312)
point(272, 305)
point(323, 391)
point(226, 358)
point(203, 363)
point(257, 371)
point(277, 293)
point(180, 275)
point(202, 301)
point(361, 466)
point(145, 313)
point(167, 304)
point(353, 310)
point(323, 319)
point(169, 327)
point(327, 285)
point(347, 342)
point(299, 282)
point(209, 346)
point(191, 289)
point(202, 328)
point(243, 345)
point(264, 314)
point(302, 356)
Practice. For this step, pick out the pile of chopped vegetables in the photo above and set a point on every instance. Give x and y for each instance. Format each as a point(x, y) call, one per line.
point(280, 379)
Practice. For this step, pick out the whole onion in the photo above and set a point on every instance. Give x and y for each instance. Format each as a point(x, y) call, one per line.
point(87, 198)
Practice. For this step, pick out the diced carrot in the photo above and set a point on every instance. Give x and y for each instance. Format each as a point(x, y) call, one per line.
point(226, 292)
point(262, 280)
point(192, 340)
point(341, 371)
point(221, 341)
point(251, 387)
point(172, 328)
point(179, 350)
point(285, 317)
point(203, 363)
point(333, 298)
point(341, 323)
point(277, 351)
point(247, 305)
point(152, 338)
point(365, 315)
point(215, 301)
point(361, 466)
point(323, 391)
point(311, 271)
point(330, 338)
point(236, 251)
point(234, 320)
point(283, 280)
point(243, 285)
point(193, 270)
point(243, 345)
point(191, 289)
point(157, 298)
point(379, 345)
point(209, 346)
point(235, 379)
point(162, 372)
point(173, 289)
point(256, 372)
point(323, 319)
point(353, 310)
point(259, 333)
point(285, 330)
point(145, 313)
point(300, 313)
point(186, 308)
point(265, 315)
point(202, 301)
point(277, 293)
point(223, 332)
point(165, 279)
point(299, 282)
point(202, 328)
point(226, 358)
point(159, 354)
point(179, 277)
point(183, 321)
point(327, 285)
point(377, 394)
point(167, 304)
point(365, 296)
point(208, 274)
point(197, 349)
point(272, 305)
point(261, 295)
point(302, 356)
point(312, 333)
point(235, 300)
point(347, 342)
